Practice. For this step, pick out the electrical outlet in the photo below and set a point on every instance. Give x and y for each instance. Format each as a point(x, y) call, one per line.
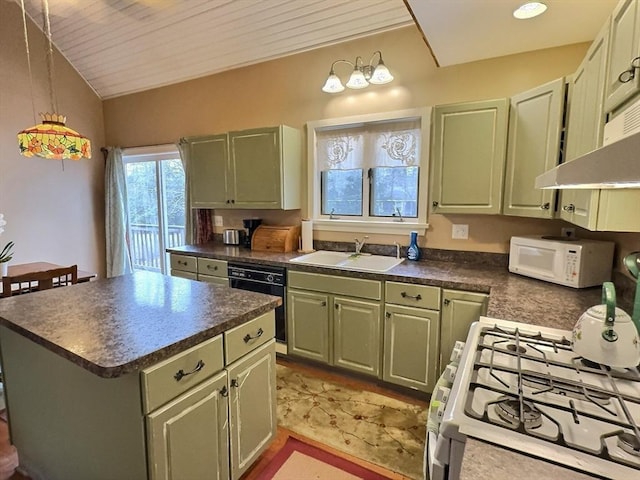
point(568, 232)
point(217, 221)
point(460, 232)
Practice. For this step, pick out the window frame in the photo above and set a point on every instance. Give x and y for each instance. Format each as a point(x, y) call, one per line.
point(366, 223)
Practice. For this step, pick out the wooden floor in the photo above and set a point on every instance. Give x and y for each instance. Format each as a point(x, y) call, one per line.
point(283, 434)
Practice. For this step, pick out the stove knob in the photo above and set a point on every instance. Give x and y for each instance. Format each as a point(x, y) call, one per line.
point(456, 354)
point(450, 373)
point(438, 404)
point(270, 278)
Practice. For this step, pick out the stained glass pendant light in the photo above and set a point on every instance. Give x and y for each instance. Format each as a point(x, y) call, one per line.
point(51, 138)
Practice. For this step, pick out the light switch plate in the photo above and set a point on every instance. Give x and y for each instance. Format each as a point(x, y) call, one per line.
point(217, 220)
point(460, 232)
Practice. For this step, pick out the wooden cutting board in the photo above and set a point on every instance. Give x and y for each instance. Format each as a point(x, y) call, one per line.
point(273, 238)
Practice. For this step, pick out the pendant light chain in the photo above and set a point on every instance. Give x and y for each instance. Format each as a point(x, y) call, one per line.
point(26, 43)
point(49, 47)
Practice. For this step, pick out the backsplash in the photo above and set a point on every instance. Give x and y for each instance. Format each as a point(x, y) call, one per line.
point(426, 254)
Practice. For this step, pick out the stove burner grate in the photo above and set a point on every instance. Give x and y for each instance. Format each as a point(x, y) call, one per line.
point(508, 409)
point(629, 443)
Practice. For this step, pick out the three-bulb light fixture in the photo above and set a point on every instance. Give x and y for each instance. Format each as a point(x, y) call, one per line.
point(362, 75)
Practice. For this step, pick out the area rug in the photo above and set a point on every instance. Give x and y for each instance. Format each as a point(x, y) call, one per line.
point(298, 460)
point(376, 428)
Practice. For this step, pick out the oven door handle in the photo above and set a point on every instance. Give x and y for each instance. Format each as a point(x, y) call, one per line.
point(247, 338)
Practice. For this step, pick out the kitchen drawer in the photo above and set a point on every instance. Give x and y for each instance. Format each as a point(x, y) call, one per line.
point(211, 279)
point(181, 274)
point(210, 266)
point(353, 287)
point(184, 263)
point(242, 339)
point(160, 383)
point(411, 295)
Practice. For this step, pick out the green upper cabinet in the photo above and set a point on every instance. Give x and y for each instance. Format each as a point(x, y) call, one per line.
point(533, 147)
point(467, 157)
point(258, 169)
point(601, 210)
point(208, 170)
point(624, 47)
point(266, 167)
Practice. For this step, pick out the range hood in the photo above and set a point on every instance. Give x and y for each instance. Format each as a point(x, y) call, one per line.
point(615, 165)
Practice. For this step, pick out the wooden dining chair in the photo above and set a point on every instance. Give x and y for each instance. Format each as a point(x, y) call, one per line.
point(35, 281)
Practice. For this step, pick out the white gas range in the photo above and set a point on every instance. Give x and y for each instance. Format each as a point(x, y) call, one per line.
point(521, 387)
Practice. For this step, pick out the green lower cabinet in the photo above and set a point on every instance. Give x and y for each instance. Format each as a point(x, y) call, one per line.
point(252, 407)
point(411, 347)
point(356, 335)
point(308, 325)
point(179, 446)
point(459, 310)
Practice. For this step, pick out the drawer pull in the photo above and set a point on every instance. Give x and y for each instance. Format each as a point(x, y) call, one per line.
point(248, 337)
point(180, 262)
point(415, 297)
point(209, 267)
point(180, 374)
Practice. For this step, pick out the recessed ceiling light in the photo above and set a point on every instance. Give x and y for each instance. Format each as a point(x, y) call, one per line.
point(529, 10)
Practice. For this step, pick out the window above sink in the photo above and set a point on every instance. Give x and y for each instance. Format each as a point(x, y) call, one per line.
point(369, 173)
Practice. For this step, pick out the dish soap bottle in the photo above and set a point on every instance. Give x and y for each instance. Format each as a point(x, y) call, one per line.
point(413, 252)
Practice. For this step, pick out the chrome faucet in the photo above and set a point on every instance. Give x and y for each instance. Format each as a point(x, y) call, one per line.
point(360, 244)
point(397, 249)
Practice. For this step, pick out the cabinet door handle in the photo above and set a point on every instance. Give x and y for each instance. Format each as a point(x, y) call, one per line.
point(545, 206)
point(446, 301)
point(234, 383)
point(224, 392)
point(228, 201)
point(233, 201)
point(323, 304)
point(387, 314)
point(435, 203)
point(630, 74)
point(569, 208)
point(248, 337)
point(415, 297)
point(180, 373)
point(337, 306)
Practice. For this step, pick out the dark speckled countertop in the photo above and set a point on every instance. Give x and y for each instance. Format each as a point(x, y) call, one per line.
point(512, 297)
point(123, 324)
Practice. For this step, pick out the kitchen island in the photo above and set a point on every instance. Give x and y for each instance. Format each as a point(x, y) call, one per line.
point(98, 376)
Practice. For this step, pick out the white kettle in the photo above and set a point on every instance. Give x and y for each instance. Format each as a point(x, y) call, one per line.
point(606, 334)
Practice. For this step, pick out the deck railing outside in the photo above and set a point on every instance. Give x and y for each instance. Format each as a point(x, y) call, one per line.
point(145, 245)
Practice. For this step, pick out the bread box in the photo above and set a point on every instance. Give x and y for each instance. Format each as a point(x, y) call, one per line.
point(274, 238)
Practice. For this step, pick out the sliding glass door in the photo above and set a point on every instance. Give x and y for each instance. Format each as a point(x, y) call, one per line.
point(156, 206)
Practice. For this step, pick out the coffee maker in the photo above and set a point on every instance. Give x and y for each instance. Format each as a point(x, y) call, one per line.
point(250, 225)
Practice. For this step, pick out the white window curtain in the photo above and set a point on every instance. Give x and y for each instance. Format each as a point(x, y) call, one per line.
point(383, 144)
point(116, 218)
point(183, 149)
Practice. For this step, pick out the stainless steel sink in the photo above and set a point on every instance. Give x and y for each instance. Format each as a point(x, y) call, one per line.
point(349, 261)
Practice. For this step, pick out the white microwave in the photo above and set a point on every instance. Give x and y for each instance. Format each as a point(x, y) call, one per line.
point(570, 262)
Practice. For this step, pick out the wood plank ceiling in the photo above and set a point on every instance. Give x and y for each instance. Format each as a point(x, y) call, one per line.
point(125, 46)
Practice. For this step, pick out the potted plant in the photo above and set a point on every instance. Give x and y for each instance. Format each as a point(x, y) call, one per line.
point(6, 253)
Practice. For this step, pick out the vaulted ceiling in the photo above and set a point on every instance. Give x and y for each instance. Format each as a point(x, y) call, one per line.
point(126, 46)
